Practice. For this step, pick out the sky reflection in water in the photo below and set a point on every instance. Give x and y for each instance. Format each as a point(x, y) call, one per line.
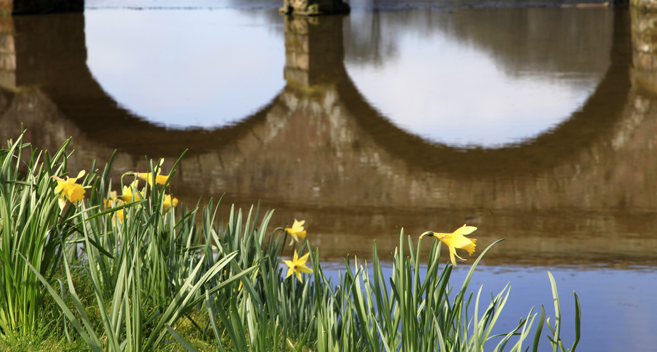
point(448, 89)
point(202, 72)
point(619, 307)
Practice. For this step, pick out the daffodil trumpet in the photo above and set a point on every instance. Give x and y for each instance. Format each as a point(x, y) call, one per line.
point(455, 240)
point(168, 202)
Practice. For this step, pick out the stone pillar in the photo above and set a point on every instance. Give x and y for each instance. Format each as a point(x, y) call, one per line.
point(40, 6)
point(313, 7)
point(314, 52)
point(6, 6)
point(7, 53)
point(645, 5)
point(644, 49)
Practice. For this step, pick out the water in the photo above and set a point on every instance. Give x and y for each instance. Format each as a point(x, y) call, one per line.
point(617, 305)
point(534, 124)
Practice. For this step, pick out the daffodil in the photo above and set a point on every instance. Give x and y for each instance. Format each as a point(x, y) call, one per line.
point(128, 195)
point(148, 176)
point(112, 202)
point(69, 190)
point(298, 266)
point(168, 201)
point(296, 230)
point(455, 240)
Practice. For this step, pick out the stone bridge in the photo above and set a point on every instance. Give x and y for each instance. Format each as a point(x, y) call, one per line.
point(319, 151)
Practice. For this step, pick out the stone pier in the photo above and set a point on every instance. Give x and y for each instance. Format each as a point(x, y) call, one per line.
point(17, 7)
point(313, 7)
point(644, 5)
point(644, 49)
point(314, 53)
point(7, 54)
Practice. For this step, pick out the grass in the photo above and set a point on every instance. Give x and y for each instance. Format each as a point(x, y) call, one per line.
point(152, 276)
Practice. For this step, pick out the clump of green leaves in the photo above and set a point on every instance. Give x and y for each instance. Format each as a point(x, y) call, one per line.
point(31, 225)
point(157, 265)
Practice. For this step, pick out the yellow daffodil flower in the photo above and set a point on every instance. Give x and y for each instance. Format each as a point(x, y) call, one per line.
point(168, 202)
point(69, 190)
point(112, 202)
point(159, 179)
point(455, 240)
point(127, 195)
point(298, 266)
point(296, 230)
point(148, 176)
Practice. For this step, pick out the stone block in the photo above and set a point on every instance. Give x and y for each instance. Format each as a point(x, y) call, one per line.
point(44, 6)
point(645, 5)
point(314, 7)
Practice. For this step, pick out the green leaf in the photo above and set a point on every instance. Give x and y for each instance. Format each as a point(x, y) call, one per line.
point(180, 339)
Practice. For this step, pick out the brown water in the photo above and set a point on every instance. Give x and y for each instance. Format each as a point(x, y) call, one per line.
point(532, 124)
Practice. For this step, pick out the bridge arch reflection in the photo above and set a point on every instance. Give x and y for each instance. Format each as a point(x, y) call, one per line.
point(68, 82)
point(318, 145)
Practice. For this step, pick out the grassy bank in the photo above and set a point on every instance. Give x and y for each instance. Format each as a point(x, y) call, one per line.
point(87, 267)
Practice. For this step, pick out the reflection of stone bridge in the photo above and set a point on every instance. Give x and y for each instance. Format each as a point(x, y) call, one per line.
point(320, 146)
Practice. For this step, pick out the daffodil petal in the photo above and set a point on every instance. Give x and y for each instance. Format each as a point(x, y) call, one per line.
point(289, 272)
point(299, 276)
point(161, 179)
point(452, 252)
point(305, 269)
point(119, 214)
point(458, 256)
point(457, 241)
point(465, 230)
point(304, 259)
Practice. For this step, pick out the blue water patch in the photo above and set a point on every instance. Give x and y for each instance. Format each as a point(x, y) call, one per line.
point(619, 307)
